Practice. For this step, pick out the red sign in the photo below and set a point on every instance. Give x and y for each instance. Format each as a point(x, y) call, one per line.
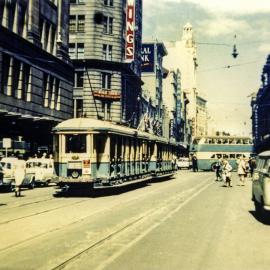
point(130, 31)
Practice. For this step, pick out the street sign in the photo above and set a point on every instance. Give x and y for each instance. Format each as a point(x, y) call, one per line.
point(6, 143)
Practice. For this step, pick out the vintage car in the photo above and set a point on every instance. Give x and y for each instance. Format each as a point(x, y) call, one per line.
point(8, 165)
point(40, 171)
point(183, 163)
point(261, 185)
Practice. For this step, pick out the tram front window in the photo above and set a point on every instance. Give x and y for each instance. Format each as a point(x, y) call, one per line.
point(76, 143)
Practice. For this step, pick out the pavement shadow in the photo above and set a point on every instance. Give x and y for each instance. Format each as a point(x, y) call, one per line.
point(3, 204)
point(103, 192)
point(262, 219)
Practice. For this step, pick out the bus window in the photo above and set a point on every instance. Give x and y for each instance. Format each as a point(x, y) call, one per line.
point(213, 156)
point(76, 143)
point(232, 156)
point(225, 156)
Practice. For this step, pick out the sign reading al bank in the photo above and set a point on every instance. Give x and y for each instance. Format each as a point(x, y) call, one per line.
point(130, 31)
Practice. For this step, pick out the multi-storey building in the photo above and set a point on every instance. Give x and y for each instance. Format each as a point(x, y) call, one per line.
point(153, 74)
point(260, 112)
point(182, 55)
point(105, 47)
point(36, 75)
point(201, 116)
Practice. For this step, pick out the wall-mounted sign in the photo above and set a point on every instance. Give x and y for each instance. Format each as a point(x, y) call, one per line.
point(130, 31)
point(148, 57)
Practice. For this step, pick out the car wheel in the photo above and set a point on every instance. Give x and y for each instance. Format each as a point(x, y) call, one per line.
point(213, 167)
point(32, 184)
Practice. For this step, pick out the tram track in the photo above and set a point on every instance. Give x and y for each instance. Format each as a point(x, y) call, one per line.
point(77, 221)
point(132, 232)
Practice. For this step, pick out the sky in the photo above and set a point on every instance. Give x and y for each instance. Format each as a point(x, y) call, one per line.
point(218, 22)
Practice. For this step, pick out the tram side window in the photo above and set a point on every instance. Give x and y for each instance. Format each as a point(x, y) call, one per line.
point(219, 155)
point(76, 143)
point(232, 156)
point(225, 156)
point(213, 156)
point(99, 143)
point(238, 155)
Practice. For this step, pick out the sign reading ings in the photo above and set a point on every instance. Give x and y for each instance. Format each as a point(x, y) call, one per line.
point(130, 30)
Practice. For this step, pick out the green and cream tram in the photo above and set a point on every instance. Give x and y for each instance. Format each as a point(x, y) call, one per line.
point(99, 153)
point(209, 149)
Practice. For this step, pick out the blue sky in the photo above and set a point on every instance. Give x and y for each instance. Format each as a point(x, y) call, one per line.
point(226, 89)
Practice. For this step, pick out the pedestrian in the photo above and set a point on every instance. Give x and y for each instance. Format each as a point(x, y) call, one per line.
point(253, 166)
point(194, 163)
point(241, 170)
point(218, 169)
point(226, 171)
point(19, 176)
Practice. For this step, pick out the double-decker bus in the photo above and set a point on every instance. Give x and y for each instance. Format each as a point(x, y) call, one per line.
point(209, 149)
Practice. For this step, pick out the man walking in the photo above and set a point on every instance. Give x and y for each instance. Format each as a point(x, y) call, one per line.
point(194, 163)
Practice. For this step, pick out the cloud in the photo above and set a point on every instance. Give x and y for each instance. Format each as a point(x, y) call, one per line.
point(223, 26)
point(228, 6)
point(264, 48)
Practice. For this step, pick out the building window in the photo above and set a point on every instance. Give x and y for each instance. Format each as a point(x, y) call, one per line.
point(79, 77)
point(72, 23)
point(78, 108)
point(74, 2)
point(72, 50)
point(106, 80)
point(106, 110)
point(81, 23)
point(107, 25)
point(107, 52)
point(80, 50)
point(108, 3)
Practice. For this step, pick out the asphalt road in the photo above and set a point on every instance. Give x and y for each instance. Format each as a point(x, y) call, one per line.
point(189, 222)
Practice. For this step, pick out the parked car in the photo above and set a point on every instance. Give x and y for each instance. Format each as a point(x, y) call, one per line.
point(183, 163)
point(40, 171)
point(261, 185)
point(8, 165)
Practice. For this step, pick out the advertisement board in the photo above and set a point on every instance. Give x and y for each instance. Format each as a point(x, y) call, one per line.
point(148, 58)
point(130, 31)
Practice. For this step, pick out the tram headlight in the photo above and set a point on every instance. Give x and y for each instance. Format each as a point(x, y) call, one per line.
point(75, 174)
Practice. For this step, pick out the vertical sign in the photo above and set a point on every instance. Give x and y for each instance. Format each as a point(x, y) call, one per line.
point(130, 31)
point(148, 58)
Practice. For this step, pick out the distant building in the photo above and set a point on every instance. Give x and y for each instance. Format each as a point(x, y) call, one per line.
point(153, 73)
point(36, 76)
point(105, 48)
point(260, 104)
point(176, 102)
point(182, 55)
point(201, 117)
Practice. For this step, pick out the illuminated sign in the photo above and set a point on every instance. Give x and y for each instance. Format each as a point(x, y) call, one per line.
point(148, 57)
point(130, 31)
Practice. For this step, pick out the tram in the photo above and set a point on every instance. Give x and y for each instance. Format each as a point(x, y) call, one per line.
point(211, 148)
point(96, 154)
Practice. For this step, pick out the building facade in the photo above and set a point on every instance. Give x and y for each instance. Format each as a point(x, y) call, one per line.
point(182, 55)
point(260, 104)
point(36, 76)
point(153, 74)
point(201, 117)
point(105, 47)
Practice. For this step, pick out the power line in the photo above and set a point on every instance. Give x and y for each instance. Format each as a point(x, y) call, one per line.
point(229, 66)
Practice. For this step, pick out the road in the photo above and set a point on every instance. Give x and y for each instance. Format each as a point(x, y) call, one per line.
point(189, 222)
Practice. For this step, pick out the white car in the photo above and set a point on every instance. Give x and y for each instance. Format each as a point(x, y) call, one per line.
point(261, 185)
point(183, 163)
point(40, 170)
point(8, 165)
